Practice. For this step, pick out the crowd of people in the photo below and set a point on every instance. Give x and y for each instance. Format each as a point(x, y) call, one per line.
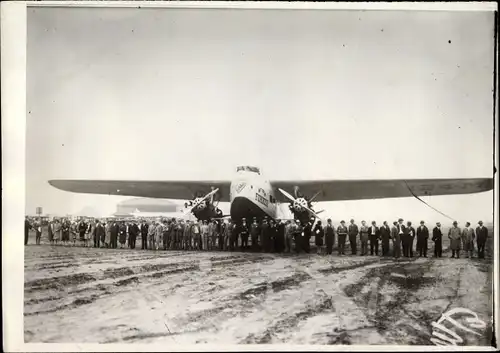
point(267, 235)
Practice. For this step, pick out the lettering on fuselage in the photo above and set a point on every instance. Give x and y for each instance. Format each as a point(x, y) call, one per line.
point(261, 200)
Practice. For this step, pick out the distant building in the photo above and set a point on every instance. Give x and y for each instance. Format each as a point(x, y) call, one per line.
point(147, 205)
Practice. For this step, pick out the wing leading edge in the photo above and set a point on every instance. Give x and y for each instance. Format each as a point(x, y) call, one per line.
point(175, 190)
point(343, 190)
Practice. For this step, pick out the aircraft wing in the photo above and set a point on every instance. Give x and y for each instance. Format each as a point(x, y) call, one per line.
point(342, 190)
point(176, 190)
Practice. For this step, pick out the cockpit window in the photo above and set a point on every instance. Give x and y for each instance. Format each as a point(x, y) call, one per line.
point(248, 169)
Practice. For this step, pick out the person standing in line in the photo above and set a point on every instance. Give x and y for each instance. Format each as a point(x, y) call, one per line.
point(212, 227)
point(158, 235)
point(244, 233)
point(280, 237)
point(353, 234)
point(364, 234)
point(100, 232)
point(151, 235)
point(133, 231)
point(318, 237)
point(289, 229)
point(481, 236)
point(65, 231)
point(228, 234)
point(402, 232)
point(396, 240)
point(96, 236)
point(122, 231)
point(342, 232)
point(89, 232)
point(299, 235)
point(330, 237)
point(254, 233)
point(422, 237)
point(204, 235)
point(437, 238)
point(307, 236)
point(189, 239)
point(455, 239)
point(222, 234)
point(264, 236)
point(57, 231)
point(195, 231)
point(82, 228)
point(385, 235)
point(374, 233)
point(50, 231)
point(411, 237)
point(468, 240)
point(27, 227)
point(144, 235)
point(38, 231)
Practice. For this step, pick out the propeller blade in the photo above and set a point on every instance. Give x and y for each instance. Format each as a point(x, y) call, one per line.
point(188, 210)
point(287, 195)
point(315, 195)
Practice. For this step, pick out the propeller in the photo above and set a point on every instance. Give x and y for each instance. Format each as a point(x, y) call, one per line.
point(291, 198)
point(198, 201)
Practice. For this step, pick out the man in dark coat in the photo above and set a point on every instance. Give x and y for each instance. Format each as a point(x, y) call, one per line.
point(113, 241)
point(422, 237)
point(82, 228)
point(481, 236)
point(265, 236)
point(307, 236)
point(353, 234)
point(437, 238)
point(144, 235)
point(318, 236)
point(27, 227)
point(279, 241)
point(330, 237)
point(385, 236)
point(299, 237)
point(254, 234)
point(99, 233)
point(402, 232)
point(342, 232)
point(374, 233)
point(396, 240)
point(133, 229)
point(410, 233)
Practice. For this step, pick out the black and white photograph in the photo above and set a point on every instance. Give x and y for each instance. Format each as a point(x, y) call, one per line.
point(209, 175)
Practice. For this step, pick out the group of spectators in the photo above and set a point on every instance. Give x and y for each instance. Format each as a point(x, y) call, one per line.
point(267, 235)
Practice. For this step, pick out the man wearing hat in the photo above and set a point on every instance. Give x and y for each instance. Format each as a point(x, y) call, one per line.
point(289, 230)
point(254, 234)
point(265, 234)
point(374, 233)
point(342, 232)
point(363, 231)
point(244, 233)
point(279, 241)
point(307, 236)
point(481, 236)
point(402, 235)
point(330, 236)
point(299, 236)
point(437, 238)
point(353, 234)
point(422, 236)
point(385, 236)
point(468, 236)
point(318, 236)
point(410, 236)
point(396, 240)
point(455, 239)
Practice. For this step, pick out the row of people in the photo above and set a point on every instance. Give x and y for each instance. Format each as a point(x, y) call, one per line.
point(267, 236)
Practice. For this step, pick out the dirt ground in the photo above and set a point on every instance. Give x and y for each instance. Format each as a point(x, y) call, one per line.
point(87, 295)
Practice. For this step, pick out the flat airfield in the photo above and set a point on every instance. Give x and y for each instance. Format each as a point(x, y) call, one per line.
point(87, 295)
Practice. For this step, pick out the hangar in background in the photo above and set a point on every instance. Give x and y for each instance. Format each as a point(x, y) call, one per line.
point(147, 205)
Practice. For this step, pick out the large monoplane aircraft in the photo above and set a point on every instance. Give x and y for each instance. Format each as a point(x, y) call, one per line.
point(252, 195)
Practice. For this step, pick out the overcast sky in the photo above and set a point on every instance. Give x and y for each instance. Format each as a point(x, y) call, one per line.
point(192, 93)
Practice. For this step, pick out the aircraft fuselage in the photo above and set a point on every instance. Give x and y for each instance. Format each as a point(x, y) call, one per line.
point(251, 196)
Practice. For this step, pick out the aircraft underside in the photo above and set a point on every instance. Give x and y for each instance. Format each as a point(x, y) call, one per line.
point(242, 207)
